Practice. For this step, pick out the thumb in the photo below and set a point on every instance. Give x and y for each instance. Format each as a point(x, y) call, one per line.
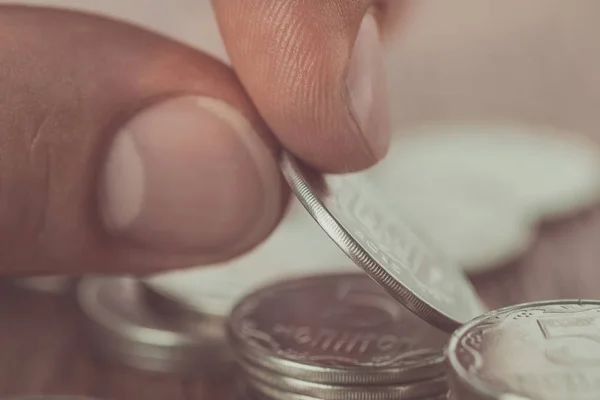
point(122, 151)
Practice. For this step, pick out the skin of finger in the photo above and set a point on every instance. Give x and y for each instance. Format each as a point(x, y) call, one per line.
point(292, 56)
point(69, 80)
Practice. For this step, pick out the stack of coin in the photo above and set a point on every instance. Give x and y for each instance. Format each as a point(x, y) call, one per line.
point(536, 351)
point(335, 337)
point(124, 328)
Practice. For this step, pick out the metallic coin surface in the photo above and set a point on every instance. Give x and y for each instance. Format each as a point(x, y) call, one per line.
point(335, 329)
point(324, 391)
point(270, 385)
point(394, 254)
point(125, 330)
point(539, 351)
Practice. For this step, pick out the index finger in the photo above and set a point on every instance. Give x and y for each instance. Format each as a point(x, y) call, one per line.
point(315, 70)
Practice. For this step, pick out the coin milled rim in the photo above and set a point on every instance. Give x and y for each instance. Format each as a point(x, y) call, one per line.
point(472, 383)
point(260, 380)
point(268, 392)
point(335, 229)
point(370, 376)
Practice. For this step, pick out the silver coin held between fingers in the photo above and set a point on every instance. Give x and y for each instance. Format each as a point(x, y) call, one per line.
point(335, 329)
point(393, 254)
point(539, 351)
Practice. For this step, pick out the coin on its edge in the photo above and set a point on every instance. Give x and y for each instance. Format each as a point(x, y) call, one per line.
point(391, 252)
point(545, 350)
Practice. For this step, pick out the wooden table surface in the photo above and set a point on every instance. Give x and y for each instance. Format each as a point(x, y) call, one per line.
point(43, 348)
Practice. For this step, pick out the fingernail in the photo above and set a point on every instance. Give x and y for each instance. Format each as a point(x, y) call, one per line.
point(366, 81)
point(189, 175)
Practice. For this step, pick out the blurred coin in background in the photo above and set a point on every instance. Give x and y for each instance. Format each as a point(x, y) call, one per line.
point(297, 247)
point(481, 189)
point(123, 329)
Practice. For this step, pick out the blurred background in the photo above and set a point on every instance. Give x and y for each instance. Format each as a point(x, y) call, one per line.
point(482, 71)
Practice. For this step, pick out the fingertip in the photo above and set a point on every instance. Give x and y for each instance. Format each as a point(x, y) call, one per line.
point(315, 70)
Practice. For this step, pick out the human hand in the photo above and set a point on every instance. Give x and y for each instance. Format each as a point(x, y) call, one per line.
point(124, 151)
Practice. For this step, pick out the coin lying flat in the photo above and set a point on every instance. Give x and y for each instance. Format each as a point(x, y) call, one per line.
point(335, 329)
point(124, 329)
point(539, 351)
point(395, 255)
point(297, 247)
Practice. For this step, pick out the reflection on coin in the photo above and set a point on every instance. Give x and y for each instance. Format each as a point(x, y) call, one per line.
point(389, 250)
point(124, 329)
point(539, 351)
point(323, 391)
point(335, 329)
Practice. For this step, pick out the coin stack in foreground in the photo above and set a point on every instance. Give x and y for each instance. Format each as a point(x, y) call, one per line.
point(335, 337)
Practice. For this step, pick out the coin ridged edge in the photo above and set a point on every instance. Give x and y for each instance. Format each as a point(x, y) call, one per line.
point(336, 231)
point(375, 376)
point(271, 393)
point(339, 376)
point(424, 388)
